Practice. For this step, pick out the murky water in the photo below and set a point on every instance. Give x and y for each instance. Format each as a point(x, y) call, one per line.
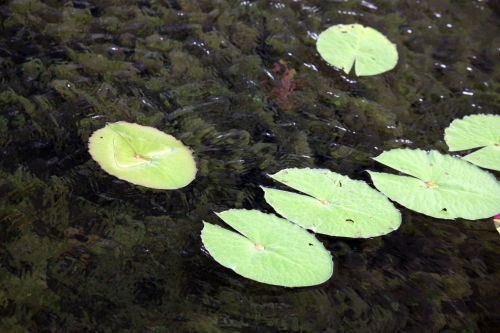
point(241, 83)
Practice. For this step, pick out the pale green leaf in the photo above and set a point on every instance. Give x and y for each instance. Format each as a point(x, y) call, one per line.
point(142, 155)
point(487, 157)
point(473, 131)
point(438, 185)
point(480, 130)
point(268, 249)
point(335, 205)
point(348, 45)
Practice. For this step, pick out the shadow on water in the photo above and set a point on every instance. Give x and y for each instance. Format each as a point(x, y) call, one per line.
point(81, 251)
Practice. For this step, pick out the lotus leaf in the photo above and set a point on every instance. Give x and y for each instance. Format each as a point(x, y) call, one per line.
point(335, 205)
point(348, 45)
point(438, 185)
point(142, 155)
point(480, 130)
point(268, 249)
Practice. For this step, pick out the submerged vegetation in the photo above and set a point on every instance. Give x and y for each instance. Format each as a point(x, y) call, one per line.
point(438, 185)
point(242, 85)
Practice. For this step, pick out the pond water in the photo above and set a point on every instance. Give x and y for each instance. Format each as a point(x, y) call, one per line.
point(241, 83)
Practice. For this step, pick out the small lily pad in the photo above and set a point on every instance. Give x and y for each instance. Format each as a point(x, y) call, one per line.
point(476, 131)
point(142, 155)
point(268, 249)
point(438, 185)
point(335, 205)
point(348, 45)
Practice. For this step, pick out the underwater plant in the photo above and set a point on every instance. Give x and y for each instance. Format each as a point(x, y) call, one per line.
point(476, 131)
point(142, 155)
point(268, 249)
point(285, 84)
point(438, 185)
point(353, 45)
point(333, 204)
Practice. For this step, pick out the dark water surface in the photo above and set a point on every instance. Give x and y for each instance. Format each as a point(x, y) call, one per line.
point(239, 82)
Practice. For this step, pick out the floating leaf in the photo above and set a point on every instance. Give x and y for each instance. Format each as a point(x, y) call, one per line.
point(348, 45)
point(475, 131)
point(142, 155)
point(268, 249)
point(335, 205)
point(438, 185)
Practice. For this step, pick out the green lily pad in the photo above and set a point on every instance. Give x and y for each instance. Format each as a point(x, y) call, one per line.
point(268, 249)
point(475, 131)
point(438, 185)
point(348, 45)
point(142, 155)
point(335, 205)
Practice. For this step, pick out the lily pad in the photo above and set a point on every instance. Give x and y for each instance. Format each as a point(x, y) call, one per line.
point(142, 155)
point(335, 205)
point(348, 45)
point(268, 249)
point(476, 131)
point(438, 185)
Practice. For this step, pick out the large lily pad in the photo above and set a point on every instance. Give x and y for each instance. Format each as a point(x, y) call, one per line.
point(335, 205)
point(142, 155)
point(268, 249)
point(476, 131)
point(438, 185)
point(348, 45)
